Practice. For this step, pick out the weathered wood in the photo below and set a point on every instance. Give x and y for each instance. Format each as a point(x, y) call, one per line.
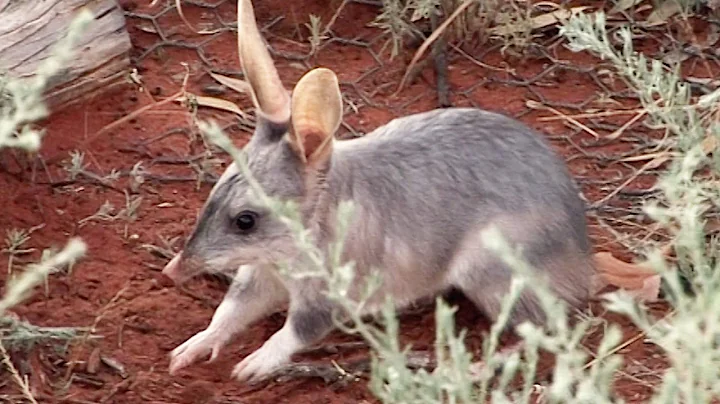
point(30, 28)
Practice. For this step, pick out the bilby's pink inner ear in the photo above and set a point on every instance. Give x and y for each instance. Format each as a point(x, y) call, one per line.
point(317, 111)
point(269, 96)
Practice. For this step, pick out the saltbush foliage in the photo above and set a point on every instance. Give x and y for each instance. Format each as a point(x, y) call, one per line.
point(21, 105)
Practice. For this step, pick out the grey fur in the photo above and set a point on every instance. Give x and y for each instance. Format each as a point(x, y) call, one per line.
point(424, 187)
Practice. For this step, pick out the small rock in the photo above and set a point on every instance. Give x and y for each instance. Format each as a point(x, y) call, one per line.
point(93, 362)
point(214, 89)
point(115, 365)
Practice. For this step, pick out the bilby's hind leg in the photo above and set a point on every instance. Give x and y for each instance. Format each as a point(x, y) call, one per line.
point(552, 246)
point(566, 274)
point(488, 286)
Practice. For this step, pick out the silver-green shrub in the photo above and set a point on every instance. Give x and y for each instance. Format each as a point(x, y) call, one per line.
point(403, 20)
point(22, 104)
point(689, 336)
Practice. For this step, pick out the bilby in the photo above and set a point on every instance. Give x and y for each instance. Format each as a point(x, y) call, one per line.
point(424, 188)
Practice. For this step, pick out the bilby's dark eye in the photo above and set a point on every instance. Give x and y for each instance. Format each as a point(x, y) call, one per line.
point(245, 221)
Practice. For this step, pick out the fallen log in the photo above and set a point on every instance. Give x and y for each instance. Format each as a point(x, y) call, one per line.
point(29, 30)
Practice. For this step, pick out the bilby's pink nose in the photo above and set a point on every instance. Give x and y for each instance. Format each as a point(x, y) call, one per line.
point(172, 268)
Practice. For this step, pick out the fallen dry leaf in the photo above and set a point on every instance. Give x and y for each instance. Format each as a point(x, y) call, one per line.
point(213, 102)
point(658, 158)
point(540, 21)
point(664, 11)
point(623, 5)
point(709, 144)
point(241, 86)
point(640, 281)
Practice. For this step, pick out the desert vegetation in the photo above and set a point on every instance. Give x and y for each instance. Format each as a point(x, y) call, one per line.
point(100, 193)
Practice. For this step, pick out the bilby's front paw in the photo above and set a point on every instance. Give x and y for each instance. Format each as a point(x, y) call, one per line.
point(200, 345)
point(260, 363)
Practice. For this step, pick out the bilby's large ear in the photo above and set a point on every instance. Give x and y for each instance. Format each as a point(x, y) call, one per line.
point(271, 99)
point(317, 111)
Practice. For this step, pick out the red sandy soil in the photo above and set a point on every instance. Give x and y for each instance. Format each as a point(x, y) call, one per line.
point(140, 316)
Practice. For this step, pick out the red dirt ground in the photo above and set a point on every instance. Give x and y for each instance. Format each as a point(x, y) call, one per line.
point(140, 316)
